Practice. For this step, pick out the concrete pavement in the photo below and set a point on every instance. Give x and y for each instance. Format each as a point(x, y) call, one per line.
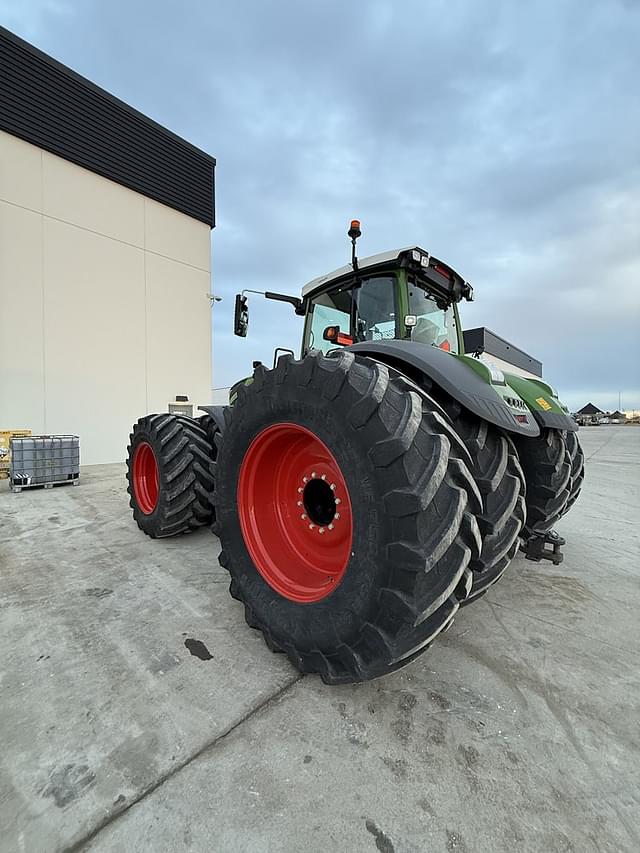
point(139, 712)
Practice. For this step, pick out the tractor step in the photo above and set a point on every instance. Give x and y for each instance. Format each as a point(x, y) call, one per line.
point(545, 547)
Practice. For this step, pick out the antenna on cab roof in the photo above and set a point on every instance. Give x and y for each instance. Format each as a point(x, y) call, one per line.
point(354, 232)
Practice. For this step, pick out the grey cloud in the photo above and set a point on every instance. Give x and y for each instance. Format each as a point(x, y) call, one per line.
point(503, 137)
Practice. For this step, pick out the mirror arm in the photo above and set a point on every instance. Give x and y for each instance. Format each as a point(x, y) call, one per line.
point(283, 297)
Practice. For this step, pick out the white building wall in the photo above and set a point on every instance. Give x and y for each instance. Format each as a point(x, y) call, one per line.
point(104, 313)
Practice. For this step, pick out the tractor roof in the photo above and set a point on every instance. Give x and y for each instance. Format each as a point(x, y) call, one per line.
point(368, 264)
point(444, 281)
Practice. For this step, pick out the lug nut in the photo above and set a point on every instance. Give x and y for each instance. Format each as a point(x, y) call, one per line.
point(303, 517)
point(321, 530)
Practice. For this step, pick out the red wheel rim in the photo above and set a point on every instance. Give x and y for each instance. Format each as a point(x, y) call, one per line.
point(145, 478)
point(295, 512)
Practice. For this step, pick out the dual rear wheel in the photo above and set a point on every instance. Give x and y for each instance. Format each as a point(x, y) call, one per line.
point(169, 476)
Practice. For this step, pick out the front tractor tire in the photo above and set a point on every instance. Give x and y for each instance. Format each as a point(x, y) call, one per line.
point(169, 474)
point(576, 455)
point(347, 515)
point(546, 463)
point(501, 481)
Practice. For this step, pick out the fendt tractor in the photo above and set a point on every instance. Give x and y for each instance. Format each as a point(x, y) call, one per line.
point(366, 491)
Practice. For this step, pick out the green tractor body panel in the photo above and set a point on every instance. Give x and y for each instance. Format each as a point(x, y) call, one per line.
point(543, 402)
point(531, 393)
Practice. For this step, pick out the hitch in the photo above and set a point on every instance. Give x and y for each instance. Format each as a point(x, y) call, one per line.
point(536, 548)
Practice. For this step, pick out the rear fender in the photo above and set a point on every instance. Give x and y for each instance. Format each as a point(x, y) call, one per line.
point(467, 380)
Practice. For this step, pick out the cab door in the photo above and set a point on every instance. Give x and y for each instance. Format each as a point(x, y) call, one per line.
point(364, 310)
point(332, 308)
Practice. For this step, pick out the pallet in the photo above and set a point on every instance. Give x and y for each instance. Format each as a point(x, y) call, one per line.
point(19, 488)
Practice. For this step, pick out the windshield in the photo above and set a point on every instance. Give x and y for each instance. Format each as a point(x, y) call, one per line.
point(375, 315)
point(434, 325)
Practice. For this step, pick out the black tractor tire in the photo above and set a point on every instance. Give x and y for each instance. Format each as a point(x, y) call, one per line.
point(175, 453)
point(410, 504)
point(576, 455)
point(501, 481)
point(546, 464)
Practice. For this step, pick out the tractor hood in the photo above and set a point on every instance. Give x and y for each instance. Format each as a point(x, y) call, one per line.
point(543, 402)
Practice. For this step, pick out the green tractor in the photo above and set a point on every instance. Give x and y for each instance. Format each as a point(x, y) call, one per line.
point(366, 491)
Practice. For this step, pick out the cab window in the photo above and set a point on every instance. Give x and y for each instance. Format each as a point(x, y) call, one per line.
point(434, 325)
point(376, 309)
point(329, 309)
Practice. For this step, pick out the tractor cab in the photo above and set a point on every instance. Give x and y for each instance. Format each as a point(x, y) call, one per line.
point(405, 294)
point(401, 295)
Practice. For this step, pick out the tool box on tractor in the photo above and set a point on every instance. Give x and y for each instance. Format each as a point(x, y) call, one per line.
point(365, 491)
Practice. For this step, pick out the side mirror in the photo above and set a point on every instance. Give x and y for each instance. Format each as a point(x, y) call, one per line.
point(241, 316)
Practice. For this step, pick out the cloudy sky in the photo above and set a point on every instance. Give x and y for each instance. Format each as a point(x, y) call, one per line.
point(503, 137)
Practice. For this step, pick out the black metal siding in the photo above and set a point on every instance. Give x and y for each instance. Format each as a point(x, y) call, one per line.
point(47, 104)
point(493, 344)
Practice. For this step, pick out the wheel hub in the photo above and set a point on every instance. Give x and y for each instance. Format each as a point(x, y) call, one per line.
point(319, 502)
point(295, 512)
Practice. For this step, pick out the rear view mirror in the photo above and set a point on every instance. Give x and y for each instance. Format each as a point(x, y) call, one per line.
point(241, 316)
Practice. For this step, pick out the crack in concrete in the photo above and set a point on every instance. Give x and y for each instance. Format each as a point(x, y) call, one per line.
point(114, 815)
point(598, 449)
point(624, 649)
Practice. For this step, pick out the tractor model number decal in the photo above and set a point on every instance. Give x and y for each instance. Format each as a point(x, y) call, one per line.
point(543, 403)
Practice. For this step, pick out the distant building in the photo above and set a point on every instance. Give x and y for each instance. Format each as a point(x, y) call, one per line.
point(589, 415)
